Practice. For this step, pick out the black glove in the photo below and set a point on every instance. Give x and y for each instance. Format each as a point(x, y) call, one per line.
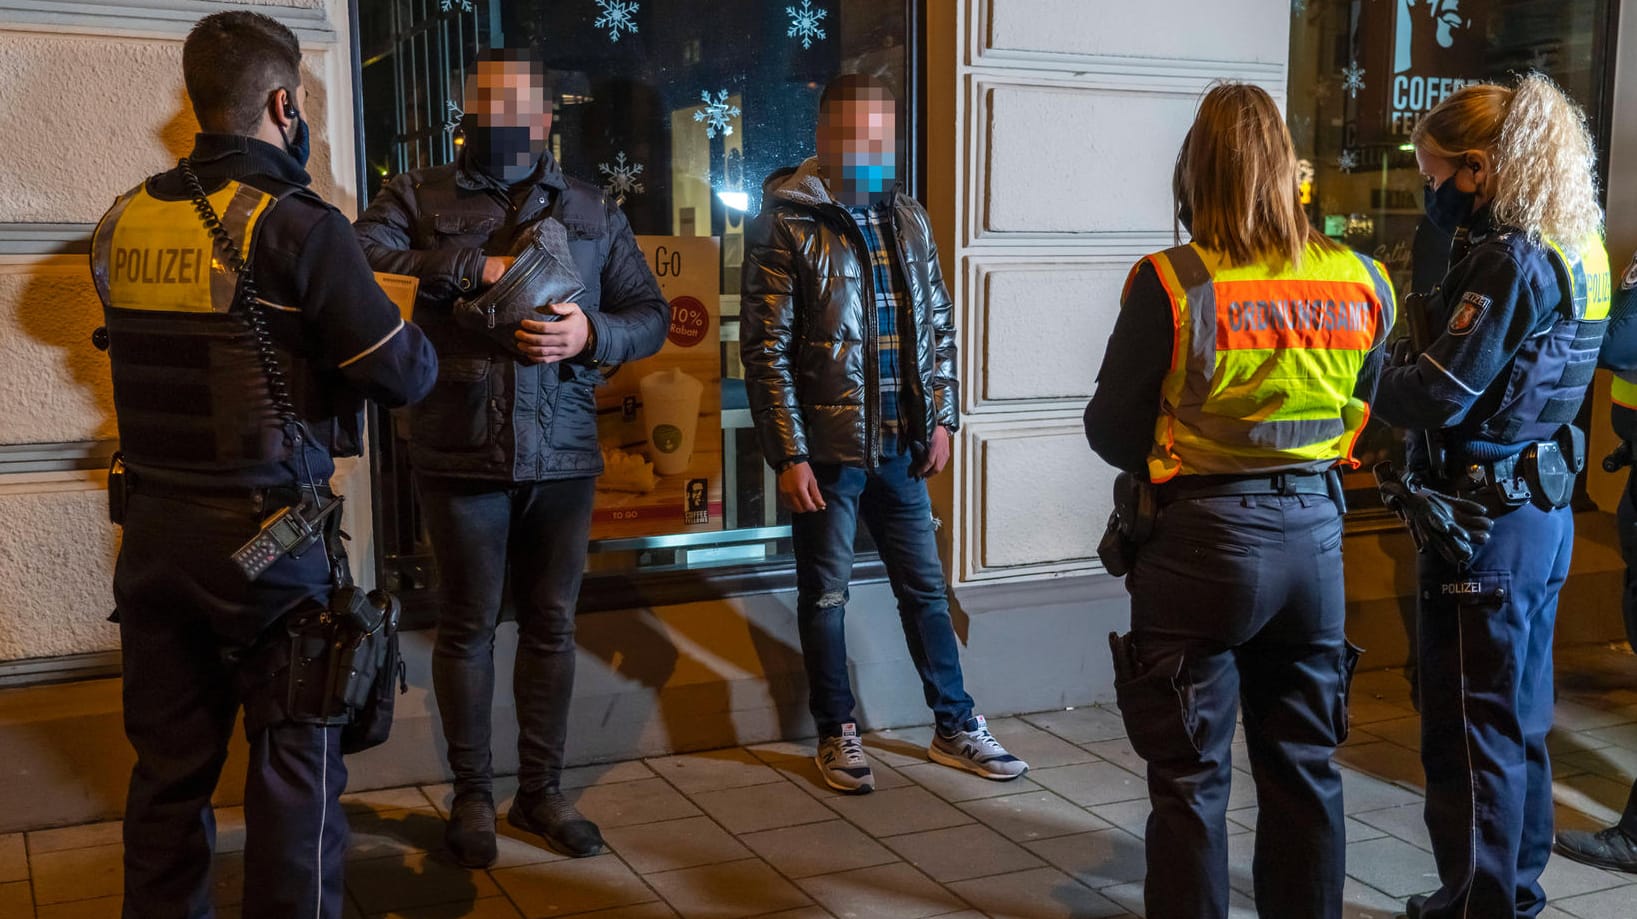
point(1441, 523)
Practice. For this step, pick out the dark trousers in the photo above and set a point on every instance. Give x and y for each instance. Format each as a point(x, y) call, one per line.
point(1239, 601)
point(486, 537)
point(896, 508)
point(1486, 706)
point(182, 607)
point(1626, 514)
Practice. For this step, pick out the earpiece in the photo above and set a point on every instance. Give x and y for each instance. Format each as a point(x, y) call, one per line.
point(290, 107)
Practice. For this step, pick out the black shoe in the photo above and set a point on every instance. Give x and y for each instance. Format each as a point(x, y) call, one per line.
point(1413, 907)
point(1612, 848)
point(470, 833)
point(550, 814)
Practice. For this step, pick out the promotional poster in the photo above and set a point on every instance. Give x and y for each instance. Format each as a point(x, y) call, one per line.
point(660, 418)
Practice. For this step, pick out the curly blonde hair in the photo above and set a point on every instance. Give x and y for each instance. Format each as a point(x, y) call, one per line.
point(1544, 160)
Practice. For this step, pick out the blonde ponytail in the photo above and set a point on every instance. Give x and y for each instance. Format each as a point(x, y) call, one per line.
point(1544, 161)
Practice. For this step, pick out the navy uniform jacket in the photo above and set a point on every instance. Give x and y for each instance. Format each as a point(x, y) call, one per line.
point(1619, 351)
point(1504, 294)
point(323, 306)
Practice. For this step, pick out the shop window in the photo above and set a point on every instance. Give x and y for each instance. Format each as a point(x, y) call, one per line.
point(678, 109)
point(1363, 72)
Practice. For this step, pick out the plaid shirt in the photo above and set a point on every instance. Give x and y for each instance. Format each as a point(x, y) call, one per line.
point(887, 282)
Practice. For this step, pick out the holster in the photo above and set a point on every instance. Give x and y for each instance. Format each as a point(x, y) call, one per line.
point(1542, 474)
point(1129, 525)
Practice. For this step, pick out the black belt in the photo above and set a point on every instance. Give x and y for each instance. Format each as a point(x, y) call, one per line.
point(230, 497)
point(1186, 487)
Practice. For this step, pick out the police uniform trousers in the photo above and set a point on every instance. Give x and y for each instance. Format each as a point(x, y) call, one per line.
point(1239, 601)
point(1486, 706)
point(186, 614)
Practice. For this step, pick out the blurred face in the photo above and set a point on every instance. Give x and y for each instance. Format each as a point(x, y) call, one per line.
point(858, 146)
point(509, 94)
point(507, 121)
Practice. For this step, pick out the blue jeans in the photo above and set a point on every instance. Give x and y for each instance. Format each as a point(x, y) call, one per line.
point(1486, 706)
point(898, 512)
point(488, 536)
point(1237, 603)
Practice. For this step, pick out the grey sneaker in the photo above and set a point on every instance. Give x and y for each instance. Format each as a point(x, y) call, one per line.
point(842, 764)
point(976, 751)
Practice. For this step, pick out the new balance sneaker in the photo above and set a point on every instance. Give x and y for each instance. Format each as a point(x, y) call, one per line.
point(551, 815)
point(470, 833)
point(977, 751)
point(841, 762)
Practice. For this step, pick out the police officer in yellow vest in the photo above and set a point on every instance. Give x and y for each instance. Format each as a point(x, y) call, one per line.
point(1522, 313)
point(1615, 847)
point(1235, 383)
point(245, 330)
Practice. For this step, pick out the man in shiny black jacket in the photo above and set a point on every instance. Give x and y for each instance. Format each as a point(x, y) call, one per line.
point(848, 340)
point(505, 449)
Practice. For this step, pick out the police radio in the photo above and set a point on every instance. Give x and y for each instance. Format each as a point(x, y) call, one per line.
point(289, 531)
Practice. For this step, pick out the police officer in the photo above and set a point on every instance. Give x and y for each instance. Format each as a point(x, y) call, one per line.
point(241, 358)
point(1522, 313)
point(1233, 386)
point(1615, 847)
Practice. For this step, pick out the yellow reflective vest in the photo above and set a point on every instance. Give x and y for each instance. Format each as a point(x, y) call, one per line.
point(190, 388)
point(1264, 363)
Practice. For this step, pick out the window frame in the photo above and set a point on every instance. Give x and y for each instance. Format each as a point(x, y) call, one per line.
point(636, 588)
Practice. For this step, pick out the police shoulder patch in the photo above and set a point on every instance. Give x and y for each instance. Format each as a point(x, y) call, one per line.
point(1629, 280)
point(1468, 313)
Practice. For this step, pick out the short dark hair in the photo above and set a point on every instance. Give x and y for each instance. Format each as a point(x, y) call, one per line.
point(231, 62)
point(850, 87)
point(507, 56)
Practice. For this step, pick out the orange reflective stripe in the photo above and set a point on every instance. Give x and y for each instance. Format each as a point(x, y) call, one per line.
point(1264, 315)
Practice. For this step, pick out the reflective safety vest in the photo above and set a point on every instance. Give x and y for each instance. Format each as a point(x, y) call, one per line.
point(1264, 363)
point(190, 391)
point(1552, 371)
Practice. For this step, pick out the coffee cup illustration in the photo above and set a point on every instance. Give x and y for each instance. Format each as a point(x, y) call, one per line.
point(670, 415)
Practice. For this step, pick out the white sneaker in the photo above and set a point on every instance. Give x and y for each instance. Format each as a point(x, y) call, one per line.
point(842, 764)
point(976, 752)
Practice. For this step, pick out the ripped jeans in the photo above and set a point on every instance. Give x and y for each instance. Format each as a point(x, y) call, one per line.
point(1239, 602)
point(895, 507)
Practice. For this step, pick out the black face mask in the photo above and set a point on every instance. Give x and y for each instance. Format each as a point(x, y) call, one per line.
point(299, 143)
point(1448, 206)
point(503, 152)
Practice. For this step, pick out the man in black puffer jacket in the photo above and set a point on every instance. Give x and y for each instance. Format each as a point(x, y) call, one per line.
point(848, 341)
point(505, 449)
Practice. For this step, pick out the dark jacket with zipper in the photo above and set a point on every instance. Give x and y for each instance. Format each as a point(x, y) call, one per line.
point(807, 331)
point(491, 415)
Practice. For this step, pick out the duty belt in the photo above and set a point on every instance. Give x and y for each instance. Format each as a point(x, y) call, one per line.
point(227, 497)
point(1188, 487)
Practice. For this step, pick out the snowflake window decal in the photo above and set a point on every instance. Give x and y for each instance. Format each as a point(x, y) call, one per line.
point(1347, 160)
point(617, 16)
point(622, 177)
point(465, 6)
point(716, 113)
point(452, 114)
point(1352, 79)
point(805, 23)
